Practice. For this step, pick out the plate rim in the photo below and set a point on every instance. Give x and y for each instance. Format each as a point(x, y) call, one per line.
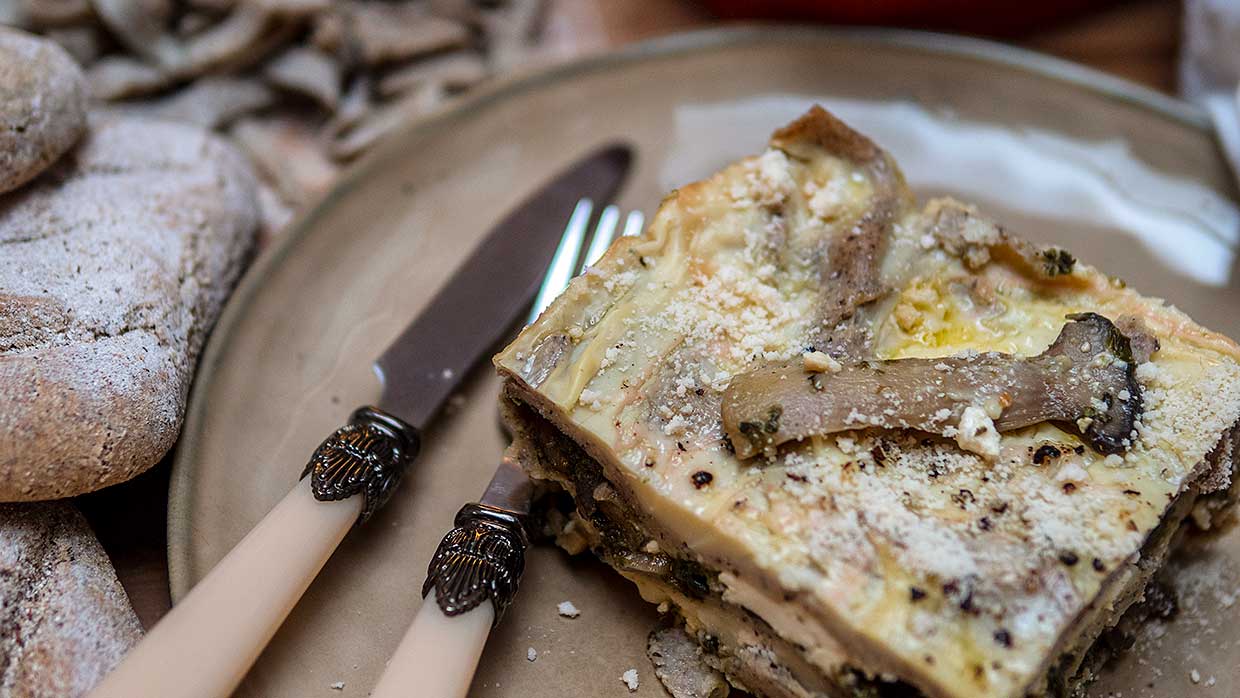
point(179, 529)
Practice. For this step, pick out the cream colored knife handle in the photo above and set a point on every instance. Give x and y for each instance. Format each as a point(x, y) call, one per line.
point(470, 581)
point(438, 654)
point(207, 642)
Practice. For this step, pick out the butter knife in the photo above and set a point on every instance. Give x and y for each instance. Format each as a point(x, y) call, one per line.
point(483, 557)
point(203, 647)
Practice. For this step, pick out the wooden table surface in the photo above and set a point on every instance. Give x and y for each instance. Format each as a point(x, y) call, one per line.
point(1135, 40)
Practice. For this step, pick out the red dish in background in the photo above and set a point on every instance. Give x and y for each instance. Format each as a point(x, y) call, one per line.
point(991, 17)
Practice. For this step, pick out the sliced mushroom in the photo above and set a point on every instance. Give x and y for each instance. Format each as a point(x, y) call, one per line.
point(961, 232)
point(1085, 378)
point(1144, 343)
point(680, 667)
point(850, 274)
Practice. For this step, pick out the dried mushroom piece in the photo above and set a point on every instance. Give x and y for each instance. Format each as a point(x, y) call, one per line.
point(288, 155)
point(120, 77)
point(42, 14)
point(211, 102)
point(1085, 378)
point(309, 72)
point(384, 33)
point(83, 43)
point(239, 40)
point(140, 26)
point(454, 71)
point(680, 665)
point(378, 122)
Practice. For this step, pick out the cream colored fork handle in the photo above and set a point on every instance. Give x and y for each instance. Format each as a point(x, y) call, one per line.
point(207, 642)
point(438, 655)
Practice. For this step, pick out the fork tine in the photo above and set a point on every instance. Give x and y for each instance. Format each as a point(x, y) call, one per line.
point(633, 224)
point(563, 263)
point(604, 233)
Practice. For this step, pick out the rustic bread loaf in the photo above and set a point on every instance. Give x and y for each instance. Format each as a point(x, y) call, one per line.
point(64, 619)
point(113, 266)
point(42, 105)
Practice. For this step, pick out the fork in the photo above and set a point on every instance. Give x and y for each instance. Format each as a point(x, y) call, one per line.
point(484, 555)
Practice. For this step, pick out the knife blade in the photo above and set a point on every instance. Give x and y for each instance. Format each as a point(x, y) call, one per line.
point(482, 301)
point(203, 647)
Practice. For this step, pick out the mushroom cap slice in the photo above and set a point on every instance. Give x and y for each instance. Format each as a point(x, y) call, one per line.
point(1086, 378)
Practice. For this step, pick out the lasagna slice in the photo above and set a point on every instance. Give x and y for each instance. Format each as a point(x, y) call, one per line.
point(866, 448)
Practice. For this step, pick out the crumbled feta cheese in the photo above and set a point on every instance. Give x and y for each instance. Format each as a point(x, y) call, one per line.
point(338, 686)
point(630, 679)
point(531, 654)
point(568, 610)
point(819, 362)
point(591, 398)
point(1195, 676)
point(1072, 472)
point(977, 433)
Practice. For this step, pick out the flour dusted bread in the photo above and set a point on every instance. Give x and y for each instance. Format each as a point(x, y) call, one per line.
point(42, 105)
point(113, 267)
point(64, 619)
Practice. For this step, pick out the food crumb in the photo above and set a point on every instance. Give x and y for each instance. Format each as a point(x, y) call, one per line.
point(338, 686)
point(1195, 676)
point(1210, 681)
point(568, 610)
point(531, 654)
point(630, 679)
point(818, 362)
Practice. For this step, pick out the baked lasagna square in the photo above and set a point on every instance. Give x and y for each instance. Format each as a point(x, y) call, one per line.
point(866, 448)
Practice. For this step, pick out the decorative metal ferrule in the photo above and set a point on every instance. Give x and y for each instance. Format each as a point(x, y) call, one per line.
point(368, 455)
point(483, 557)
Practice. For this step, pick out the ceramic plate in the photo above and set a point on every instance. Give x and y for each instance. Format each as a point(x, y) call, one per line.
point(1129, 180)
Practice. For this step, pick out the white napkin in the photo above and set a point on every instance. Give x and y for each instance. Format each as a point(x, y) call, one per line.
point(1210, 67)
